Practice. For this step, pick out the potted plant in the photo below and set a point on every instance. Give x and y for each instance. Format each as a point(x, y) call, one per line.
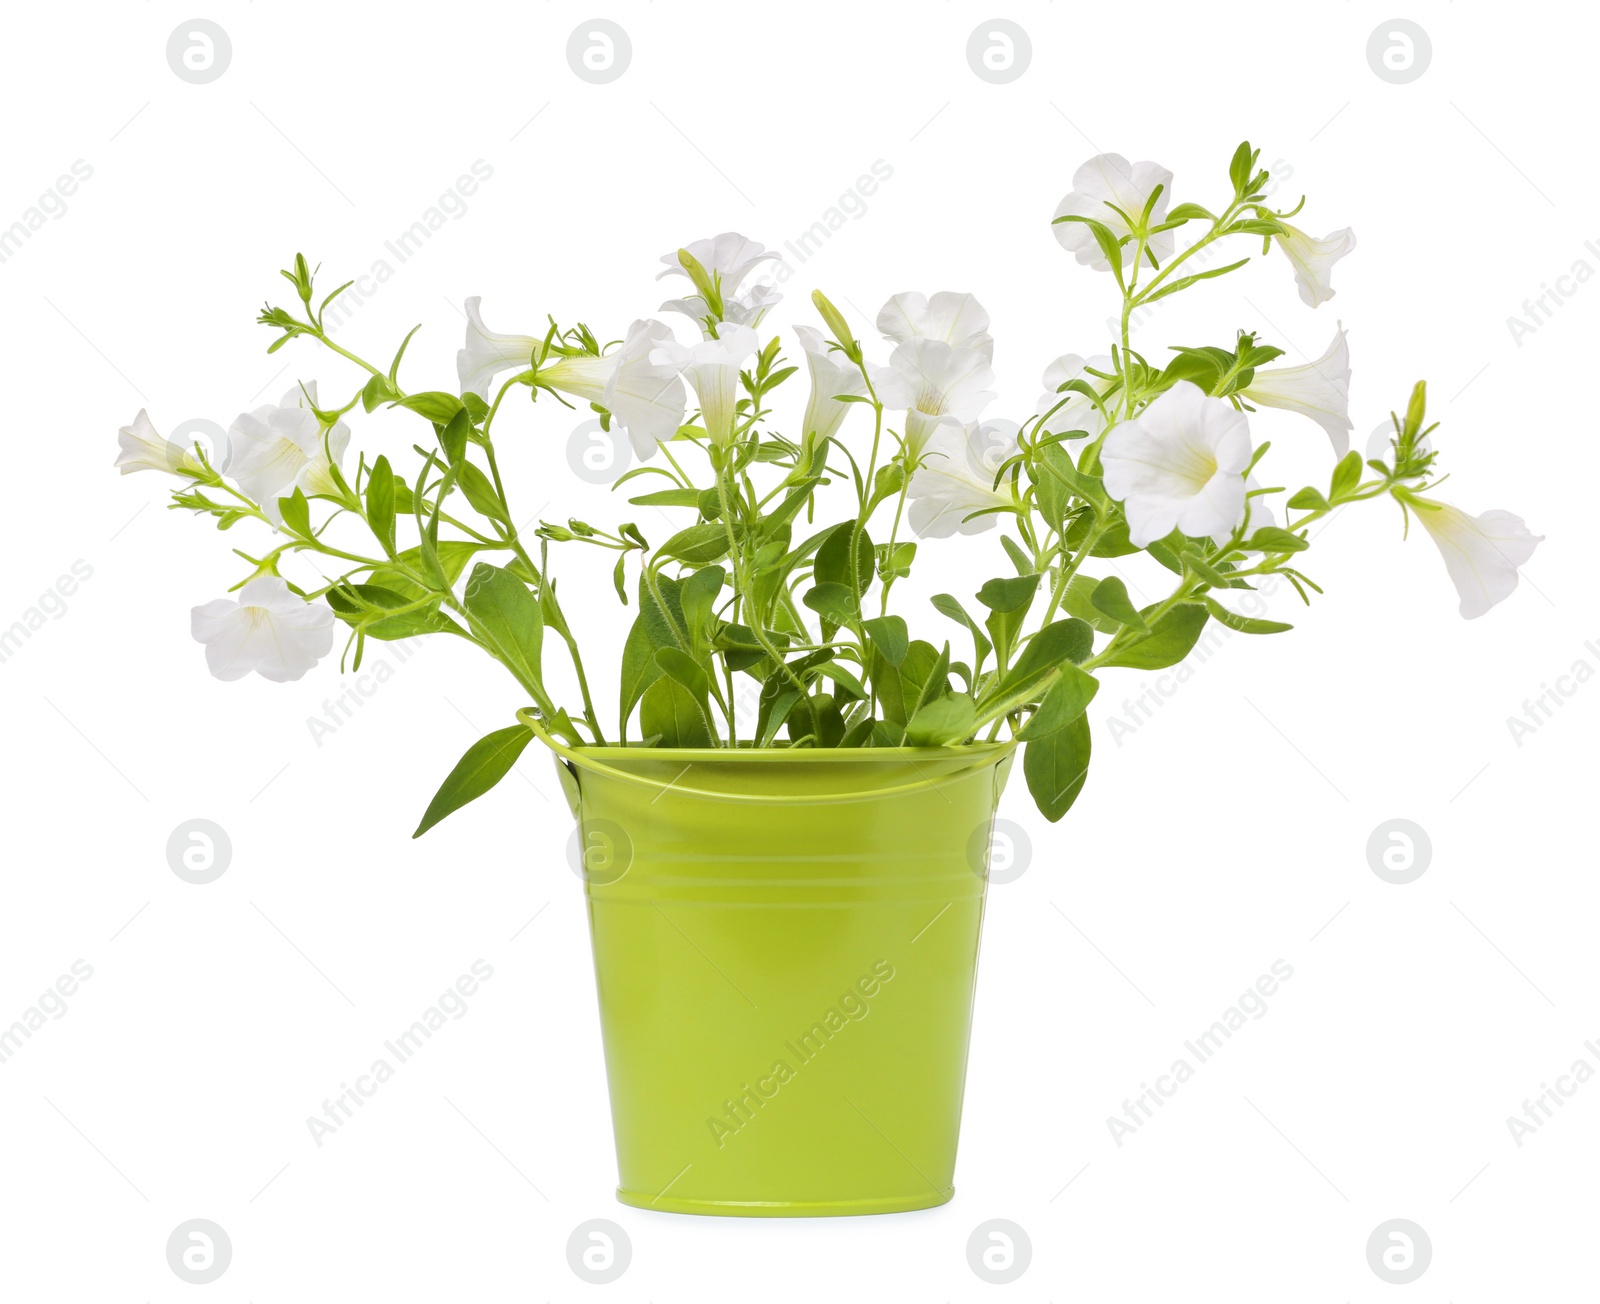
point(786, 884)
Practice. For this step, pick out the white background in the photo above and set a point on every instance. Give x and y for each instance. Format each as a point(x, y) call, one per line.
point(1228, 832)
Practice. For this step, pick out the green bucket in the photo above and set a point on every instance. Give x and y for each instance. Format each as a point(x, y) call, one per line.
point(785, 947)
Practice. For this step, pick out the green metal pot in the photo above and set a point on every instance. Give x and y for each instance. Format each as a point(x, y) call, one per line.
point(785, 946)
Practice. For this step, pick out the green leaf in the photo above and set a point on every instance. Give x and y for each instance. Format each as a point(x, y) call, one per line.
point(1057, 481)
point(639, 668)
point(946, 605)
point(439, 407)
point(819, 718)
point(1168, 643)
point(452, 556)
point(1068, 698)
point(688, 672)
point(741, 648)
point(1008, 601)
point(1076, 601)
point(1184, 282)
point(1063, 642)
point(1113, 541)
point(935, 686)
point(943, 721)
point(1188, 212)
point(1244, 624)
point(485, 763)
point(380, 503)
point(1019, 558)
point(1239, 167)
point(1309, 500)
point(1346, 475)
point(1194, 365)
point(363, 606)
point(1110, 597)
point(699, 594)
point(1192, 559)
point(668, 498)
point(480, 492)
point(378, 391)
point(848, 683)
point(509, 620)
point(1056, 767)
point(1270, 538)
point(778, 698)
point(1009, 595)
point(835, 603)
point(1255, 226)
point(833, 559)
point(1166, 551)
point(1110, 246)
point(900, 688)
point(663, 619)
point(394, 367)
point(670, 711)
point(890, 636)
point(887, 483)
point(453, 436)
point(296, 512)
point(898, 564)
point(785, 511)
point(698, 545)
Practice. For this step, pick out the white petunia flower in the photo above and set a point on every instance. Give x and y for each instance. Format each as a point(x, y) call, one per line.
point(1319, 390)
point(270, 629)
point(1100, 187)
point(957, 319)
point(956, 478)
point(745, 309)
point(1076, 411)
point(1481, 553)
point(143, 449)
point(831, 374)
point(646, 397)
point(275, 450)
point(729, 256)
point(1313, 260)
point(1261, 514)
point(1180, 464)
point(712, 367)
point(488, 353)
point(935, 384)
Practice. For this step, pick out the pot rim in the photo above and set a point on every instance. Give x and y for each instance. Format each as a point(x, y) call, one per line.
point(747, 753)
